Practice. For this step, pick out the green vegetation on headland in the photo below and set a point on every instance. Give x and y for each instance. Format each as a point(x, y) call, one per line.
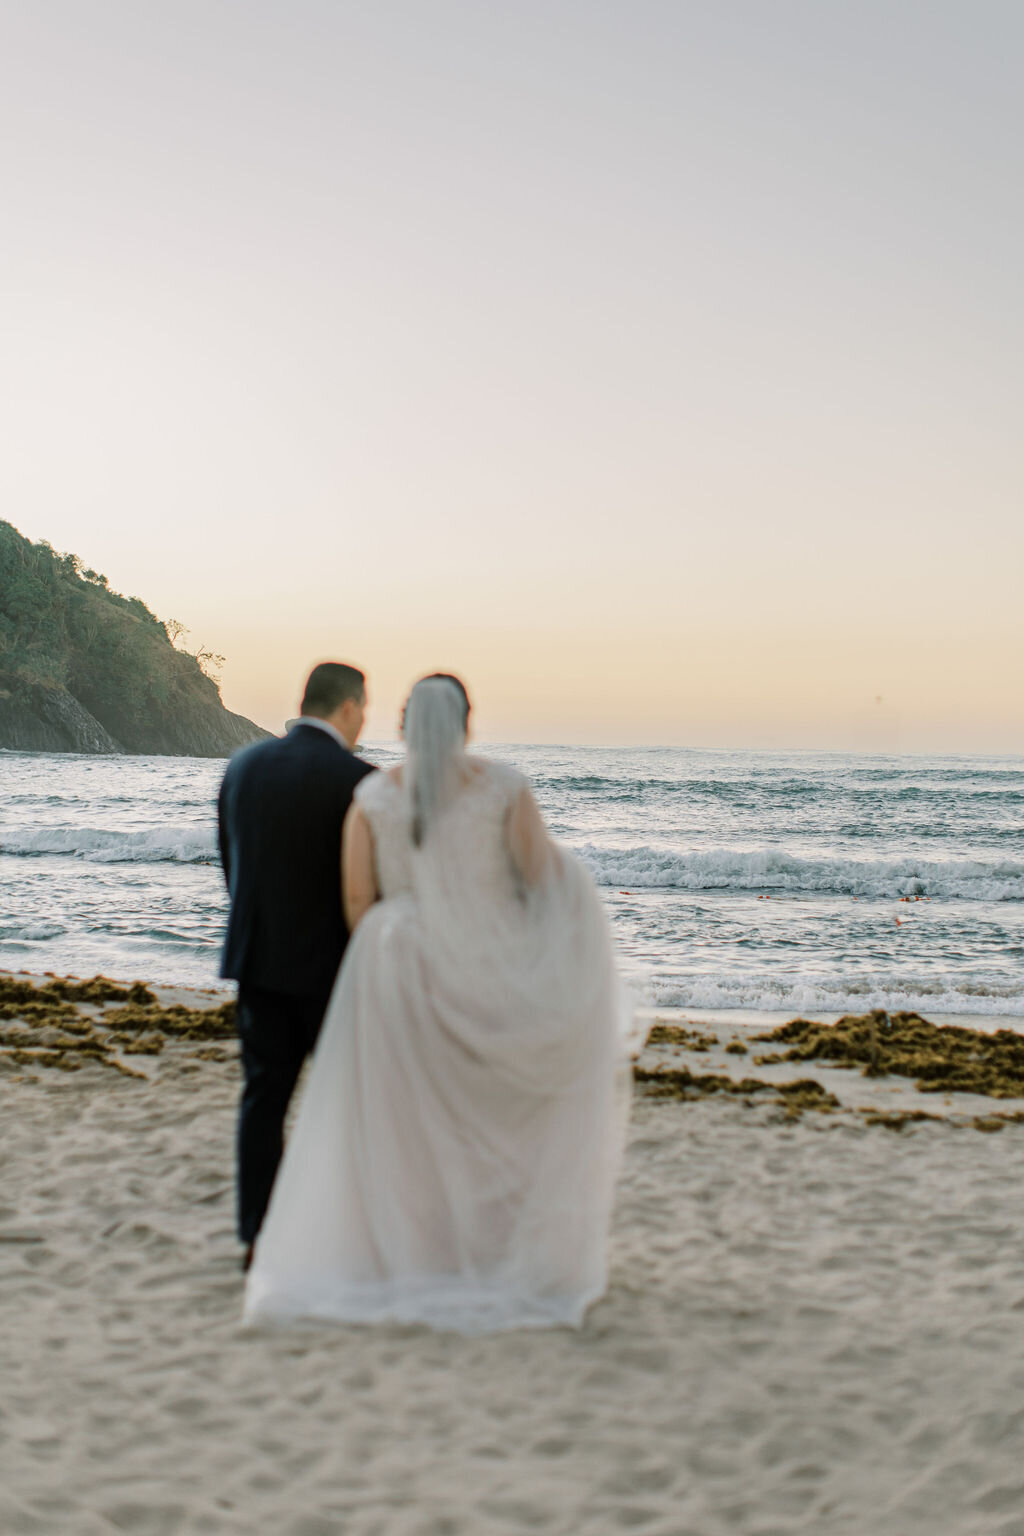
point(83, 669)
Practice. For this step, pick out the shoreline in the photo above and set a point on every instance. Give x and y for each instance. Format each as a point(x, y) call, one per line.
point(771, 1018)
point(948, 1067)
point(808, 1328)
point(719, 1018)
point(111, 866)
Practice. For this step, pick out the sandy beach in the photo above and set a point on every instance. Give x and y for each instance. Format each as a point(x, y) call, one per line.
point(813, 1325)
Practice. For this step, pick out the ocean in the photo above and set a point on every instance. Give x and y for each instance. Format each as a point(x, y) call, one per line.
point(758, 882)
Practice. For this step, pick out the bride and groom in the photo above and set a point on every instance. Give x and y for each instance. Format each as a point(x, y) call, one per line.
point(454, 1155)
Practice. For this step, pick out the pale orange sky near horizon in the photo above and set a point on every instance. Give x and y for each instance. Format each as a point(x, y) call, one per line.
point(658, 368)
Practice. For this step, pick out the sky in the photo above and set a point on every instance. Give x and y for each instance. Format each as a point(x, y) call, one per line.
point(658, 367)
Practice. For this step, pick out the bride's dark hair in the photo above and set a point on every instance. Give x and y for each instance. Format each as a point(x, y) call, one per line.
point(449, 677)
point(457, 684)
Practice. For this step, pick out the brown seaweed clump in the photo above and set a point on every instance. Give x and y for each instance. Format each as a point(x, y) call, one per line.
point(675, 1034)
point(177, 1020)
point(940, 1058)
point(898, 1119)
point(680, 1083)
point(57, 997)
point(996, 1122)
point(44, 1026)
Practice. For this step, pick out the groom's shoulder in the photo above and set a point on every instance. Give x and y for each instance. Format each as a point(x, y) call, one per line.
point(314, 755)
point(262, 760)
point(241, 762)
point(299, 756)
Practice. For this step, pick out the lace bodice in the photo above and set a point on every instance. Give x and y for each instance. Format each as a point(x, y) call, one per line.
point(473, 827)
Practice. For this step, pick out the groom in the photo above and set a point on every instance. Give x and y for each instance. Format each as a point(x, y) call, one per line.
point(280, 812)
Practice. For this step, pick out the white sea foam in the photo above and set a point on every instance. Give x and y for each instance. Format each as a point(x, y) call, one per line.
point(34, 933)
point(773, 869)
point(699, 836)
point(189, 844)
point(840, 994)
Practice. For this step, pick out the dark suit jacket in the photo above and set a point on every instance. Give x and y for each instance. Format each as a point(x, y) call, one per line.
point(280, 812)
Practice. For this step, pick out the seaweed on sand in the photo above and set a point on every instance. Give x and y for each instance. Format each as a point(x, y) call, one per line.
point(58, 996)
point(940, 1058)
point(177, 1020)
point(675, 1034)
point(47, 1027)
point(897, 1119)
point(996, 1122)
point(681, 1083)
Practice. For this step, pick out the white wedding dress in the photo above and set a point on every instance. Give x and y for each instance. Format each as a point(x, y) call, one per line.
point(454, 1157)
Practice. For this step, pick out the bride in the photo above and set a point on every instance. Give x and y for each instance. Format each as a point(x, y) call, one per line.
point(455, 1152)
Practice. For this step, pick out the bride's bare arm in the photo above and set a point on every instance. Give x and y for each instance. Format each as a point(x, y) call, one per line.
point(528, 842)
point(359, 877)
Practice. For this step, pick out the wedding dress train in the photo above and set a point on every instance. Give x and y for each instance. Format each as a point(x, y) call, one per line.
point(455, 1152)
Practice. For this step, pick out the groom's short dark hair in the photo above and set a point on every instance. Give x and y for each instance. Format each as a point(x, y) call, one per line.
point(330, 684)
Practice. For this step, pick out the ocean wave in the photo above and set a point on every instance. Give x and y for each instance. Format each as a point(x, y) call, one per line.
point(960, 774)
point(753, 791)
point(98, 845)
point(628, 788)
point(34, 933)
point(840, 995)
point(773, 869)
point(984, 795)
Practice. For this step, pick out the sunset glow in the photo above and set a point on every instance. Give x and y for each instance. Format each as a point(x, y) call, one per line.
point(657, 368)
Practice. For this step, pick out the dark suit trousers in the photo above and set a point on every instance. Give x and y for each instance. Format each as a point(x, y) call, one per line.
point(277, 1033)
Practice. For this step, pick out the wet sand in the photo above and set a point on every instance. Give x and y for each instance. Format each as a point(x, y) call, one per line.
point(814, 1325)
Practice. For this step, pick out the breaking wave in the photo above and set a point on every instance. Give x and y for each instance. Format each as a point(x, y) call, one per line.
point(818, 995)
point(152, 845)
point(773, 869)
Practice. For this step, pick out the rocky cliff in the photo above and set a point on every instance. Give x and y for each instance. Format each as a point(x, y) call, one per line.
point(83, 669)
